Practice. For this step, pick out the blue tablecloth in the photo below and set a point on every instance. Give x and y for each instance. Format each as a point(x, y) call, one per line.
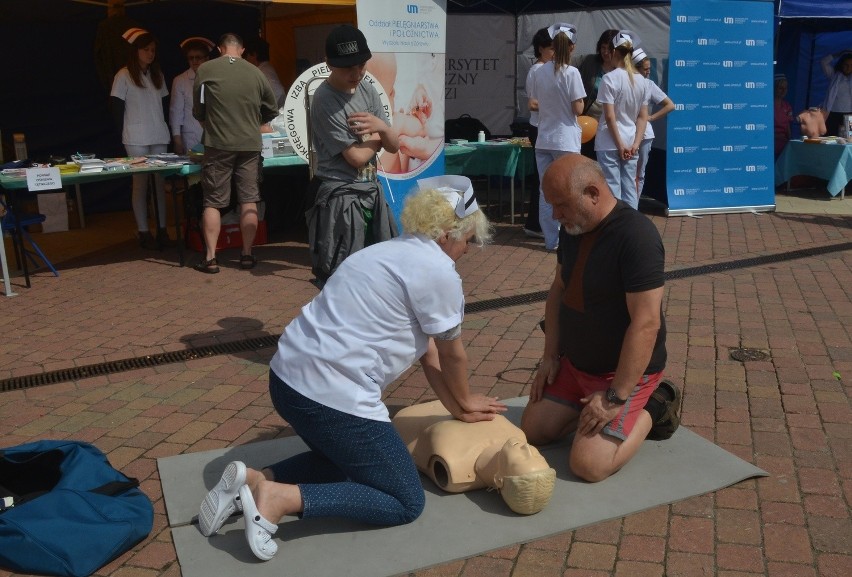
point(831, 162)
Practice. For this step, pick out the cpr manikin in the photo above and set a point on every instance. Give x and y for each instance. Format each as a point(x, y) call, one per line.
point(461, 456)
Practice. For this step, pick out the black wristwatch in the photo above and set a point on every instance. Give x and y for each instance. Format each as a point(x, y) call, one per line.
point(613, 397)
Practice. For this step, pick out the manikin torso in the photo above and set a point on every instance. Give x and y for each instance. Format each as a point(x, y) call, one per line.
point(461, 456)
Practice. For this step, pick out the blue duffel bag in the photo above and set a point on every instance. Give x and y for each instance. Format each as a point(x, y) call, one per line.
point(64, 510)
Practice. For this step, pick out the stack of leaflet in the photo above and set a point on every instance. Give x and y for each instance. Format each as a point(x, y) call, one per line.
point(90, 165)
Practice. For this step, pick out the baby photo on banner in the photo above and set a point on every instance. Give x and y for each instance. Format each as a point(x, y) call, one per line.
point(408, 43)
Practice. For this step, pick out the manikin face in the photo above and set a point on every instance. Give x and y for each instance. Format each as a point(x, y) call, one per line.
point(517, 457)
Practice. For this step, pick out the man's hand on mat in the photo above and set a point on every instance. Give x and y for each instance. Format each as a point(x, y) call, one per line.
point(478, 407)
point(595, 415)
point(548, 368)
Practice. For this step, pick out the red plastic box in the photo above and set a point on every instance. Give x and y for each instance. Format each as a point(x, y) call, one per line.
point(229, 236)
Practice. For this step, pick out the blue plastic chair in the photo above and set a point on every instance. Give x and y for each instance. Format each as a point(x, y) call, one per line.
point(10, 224)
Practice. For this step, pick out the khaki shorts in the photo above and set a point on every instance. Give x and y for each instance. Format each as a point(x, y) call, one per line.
point(220, 166)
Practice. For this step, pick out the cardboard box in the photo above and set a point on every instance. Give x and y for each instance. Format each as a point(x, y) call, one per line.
point(229, 236)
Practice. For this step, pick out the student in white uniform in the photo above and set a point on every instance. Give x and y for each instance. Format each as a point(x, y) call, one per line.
point(655, 96)
point(542, 45)
point(624, 96)
point(558, 90)
point(137, 103)
point(186, 130)
point(385, 307)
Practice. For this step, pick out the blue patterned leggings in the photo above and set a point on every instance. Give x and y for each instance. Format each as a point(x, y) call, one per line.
point(357, 468)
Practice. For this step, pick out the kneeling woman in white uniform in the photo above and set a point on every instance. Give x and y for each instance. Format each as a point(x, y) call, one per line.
point(387, 306)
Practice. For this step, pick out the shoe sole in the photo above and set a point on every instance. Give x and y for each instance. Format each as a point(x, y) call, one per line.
point(220, 502)
point(661, 432)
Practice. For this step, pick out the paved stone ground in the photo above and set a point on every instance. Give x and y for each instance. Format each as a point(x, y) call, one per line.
point(789, 415)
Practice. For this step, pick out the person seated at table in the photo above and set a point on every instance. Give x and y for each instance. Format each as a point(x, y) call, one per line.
point(460, 456)
point(137, 101)
point(783, 114)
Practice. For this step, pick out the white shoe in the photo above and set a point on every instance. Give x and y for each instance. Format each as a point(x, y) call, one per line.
point(222, 500)
point(259, 531)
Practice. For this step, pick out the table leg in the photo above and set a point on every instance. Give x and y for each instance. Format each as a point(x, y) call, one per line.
point(512, 200)
point(5, 267)
point(18, 239)
point(80, 206)
point(179, 239)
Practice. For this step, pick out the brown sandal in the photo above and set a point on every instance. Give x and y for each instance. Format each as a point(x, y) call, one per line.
point(248, 261)
point(208, 266)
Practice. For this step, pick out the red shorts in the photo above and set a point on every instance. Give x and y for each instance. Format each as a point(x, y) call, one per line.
point(572, 384)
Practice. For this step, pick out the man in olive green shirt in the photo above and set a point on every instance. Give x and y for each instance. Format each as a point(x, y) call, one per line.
point(231, 99)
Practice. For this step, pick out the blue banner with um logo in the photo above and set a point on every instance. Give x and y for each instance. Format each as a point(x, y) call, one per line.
point(720, 137)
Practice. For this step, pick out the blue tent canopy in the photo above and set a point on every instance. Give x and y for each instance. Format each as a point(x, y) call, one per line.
point(808, 30)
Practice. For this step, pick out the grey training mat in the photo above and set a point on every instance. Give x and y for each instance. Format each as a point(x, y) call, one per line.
point(453, 526)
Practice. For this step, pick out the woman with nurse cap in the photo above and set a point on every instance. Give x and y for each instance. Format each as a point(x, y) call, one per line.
point(186, 130)
point(387, 306)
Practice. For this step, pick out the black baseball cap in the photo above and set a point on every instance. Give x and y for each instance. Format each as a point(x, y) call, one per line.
point(346, 46)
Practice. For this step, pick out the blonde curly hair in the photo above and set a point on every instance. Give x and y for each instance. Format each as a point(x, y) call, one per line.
point(428, 212)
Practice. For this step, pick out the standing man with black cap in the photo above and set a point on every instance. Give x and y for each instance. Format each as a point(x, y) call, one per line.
point(348, 128)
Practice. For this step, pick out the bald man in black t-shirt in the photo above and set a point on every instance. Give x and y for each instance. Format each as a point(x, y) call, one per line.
point(605, 338)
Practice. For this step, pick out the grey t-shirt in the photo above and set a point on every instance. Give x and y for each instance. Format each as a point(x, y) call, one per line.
point(330, 131)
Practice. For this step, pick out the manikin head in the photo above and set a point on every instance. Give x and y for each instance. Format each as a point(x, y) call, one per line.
point(523, 477)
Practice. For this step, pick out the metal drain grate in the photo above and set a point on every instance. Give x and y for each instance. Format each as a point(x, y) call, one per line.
point(112, 367)
point(742, 355)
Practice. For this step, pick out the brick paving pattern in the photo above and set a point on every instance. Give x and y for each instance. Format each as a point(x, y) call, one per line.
point(788, 414)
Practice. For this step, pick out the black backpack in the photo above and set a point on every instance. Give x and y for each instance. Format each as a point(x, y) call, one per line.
point(465, 127)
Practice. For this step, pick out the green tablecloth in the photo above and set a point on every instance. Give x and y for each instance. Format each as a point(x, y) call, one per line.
point(492, 159)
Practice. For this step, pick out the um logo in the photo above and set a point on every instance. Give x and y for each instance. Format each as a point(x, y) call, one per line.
point(412, 8)
point(728, 63)
point(728, 20)
point(700, 128)
point(681, 18)
point(751, 168)
point(750, 127)
point(727, 148)
point(677, 150)
point(680, 63)
point(702, 42)
point(750, 85)
point(750, 43)
point(700, 170)
point(679, 191)
point(701, 85)
point(727, 106)
point(728, 190)
point(680, 107)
